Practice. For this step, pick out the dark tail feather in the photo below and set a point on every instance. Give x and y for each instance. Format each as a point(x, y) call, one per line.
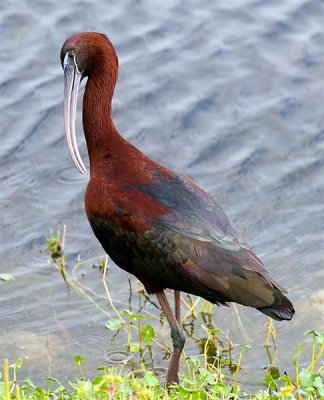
point(280, 310)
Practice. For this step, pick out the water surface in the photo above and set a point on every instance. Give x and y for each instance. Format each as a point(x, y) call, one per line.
point(230, 93)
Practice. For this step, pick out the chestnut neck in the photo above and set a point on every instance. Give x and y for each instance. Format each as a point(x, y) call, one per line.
point(100, 132)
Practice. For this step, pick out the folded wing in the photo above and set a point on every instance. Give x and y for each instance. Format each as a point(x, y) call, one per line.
point(209, 251)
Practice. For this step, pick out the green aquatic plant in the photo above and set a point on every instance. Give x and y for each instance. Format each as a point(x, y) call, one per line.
point(201, 382)
point(55, 245)
point(213, 374)
point(307, 382)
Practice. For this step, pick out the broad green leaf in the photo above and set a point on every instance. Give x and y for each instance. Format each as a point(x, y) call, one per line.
point(286, 380)
point(17, 364)
point(148, 333)
point(150, 379)
point(207, 376)
point(319, 384)
point(97, 380)
point(270, 381)
point(78, 359)
point(84, 389)
point(114, 324)
point(306, 378)
point(133, 348)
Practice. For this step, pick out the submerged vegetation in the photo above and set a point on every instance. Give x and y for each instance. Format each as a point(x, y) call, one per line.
point(213, 374)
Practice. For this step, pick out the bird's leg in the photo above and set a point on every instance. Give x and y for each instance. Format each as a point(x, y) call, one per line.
point(178, 339)
point(177, 306)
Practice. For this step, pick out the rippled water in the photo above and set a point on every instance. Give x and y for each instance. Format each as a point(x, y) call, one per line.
point(231, 93)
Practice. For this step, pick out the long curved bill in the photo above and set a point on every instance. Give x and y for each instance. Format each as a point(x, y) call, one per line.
point(72, 79)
